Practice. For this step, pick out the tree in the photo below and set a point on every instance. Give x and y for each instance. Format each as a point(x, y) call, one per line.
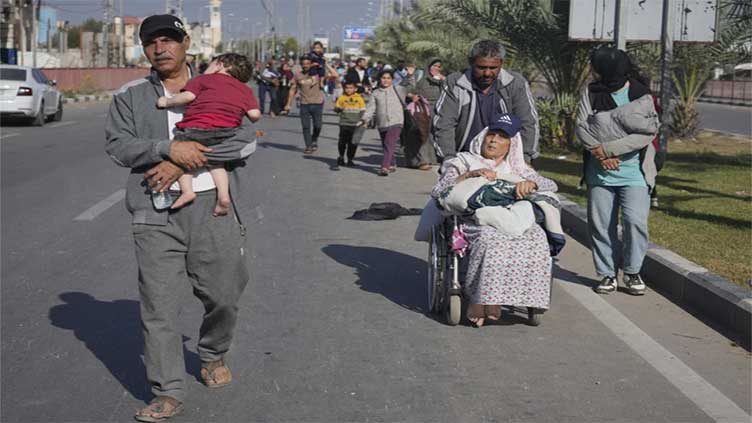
point(427, 30)
point(290, 44)
point(74, 32)
point(694, 63)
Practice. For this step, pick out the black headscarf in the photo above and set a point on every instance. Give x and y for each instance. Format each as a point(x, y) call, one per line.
point(615, 69)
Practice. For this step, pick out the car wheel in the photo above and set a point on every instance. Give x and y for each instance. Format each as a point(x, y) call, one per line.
point(58, 116)
point(39, 119)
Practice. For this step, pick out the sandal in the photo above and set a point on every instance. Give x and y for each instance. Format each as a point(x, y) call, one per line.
point(476, 314)
point(493, 312)
point(308, 150)
point(159, 409)
point(392, 169)
point(382, 172)
point(215, 374)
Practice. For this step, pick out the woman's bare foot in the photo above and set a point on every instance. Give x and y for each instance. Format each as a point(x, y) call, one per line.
point(476, 314)
point(493, 312)
point(185, 198)
point(222, 207)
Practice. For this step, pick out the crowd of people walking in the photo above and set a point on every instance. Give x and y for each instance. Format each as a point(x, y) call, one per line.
point(479, 124)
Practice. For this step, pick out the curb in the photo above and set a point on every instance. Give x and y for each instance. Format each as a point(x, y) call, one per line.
point(719, 100)
point(86, 98)
point(687, 284)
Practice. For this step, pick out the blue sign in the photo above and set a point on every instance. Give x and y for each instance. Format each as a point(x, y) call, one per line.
point(356, 33)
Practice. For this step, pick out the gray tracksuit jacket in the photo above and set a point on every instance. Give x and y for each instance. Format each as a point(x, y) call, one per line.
point(388, 104)
point(457, 105)
point(636, 122)
point(138, 137)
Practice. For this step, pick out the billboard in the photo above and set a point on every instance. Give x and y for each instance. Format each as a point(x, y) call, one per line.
point(356, 33)
point(593, 20)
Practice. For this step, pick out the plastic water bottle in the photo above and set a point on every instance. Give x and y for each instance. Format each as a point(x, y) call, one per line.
point(162, 200)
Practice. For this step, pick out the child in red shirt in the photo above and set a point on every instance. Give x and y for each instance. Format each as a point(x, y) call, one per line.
point(216, 103)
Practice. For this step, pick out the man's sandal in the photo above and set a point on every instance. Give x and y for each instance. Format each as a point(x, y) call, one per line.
point(215, 374)
point(159, 409)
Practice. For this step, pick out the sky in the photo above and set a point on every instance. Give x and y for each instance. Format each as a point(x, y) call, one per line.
point(327, 16)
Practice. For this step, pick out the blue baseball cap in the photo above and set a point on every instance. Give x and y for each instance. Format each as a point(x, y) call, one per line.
point(507, 123)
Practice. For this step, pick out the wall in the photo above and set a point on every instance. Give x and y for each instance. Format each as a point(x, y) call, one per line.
point(104, 79)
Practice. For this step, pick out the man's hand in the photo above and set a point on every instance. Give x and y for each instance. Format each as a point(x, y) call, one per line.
point(161, 176)
point(522, 189)
point(611, 164)
point(188, 154)
point(598, 152)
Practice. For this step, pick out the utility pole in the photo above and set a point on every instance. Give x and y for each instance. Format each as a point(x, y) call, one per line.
point(121, 47)
point(620, 24)
point(268, 6)
point(106, 28)
point(667, 56)
point(34, 32)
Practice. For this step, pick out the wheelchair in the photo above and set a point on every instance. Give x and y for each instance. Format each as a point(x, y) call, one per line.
point(444, 286)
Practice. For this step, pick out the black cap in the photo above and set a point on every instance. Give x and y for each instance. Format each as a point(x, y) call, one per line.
point(155, 23)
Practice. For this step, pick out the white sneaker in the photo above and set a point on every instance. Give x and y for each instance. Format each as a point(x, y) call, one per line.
point(634, 284)
point(607, 285)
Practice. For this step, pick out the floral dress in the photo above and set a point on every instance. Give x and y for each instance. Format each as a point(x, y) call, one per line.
point(504, 269)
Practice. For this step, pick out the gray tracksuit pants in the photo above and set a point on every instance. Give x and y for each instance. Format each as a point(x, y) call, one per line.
point(205, 251)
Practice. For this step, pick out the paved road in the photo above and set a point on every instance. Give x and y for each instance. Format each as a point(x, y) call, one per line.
point(333, 324)
point(726, 118)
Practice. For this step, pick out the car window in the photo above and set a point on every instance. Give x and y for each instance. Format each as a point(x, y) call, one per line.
point(38, 76)
point(11, 74)
point(43, 76)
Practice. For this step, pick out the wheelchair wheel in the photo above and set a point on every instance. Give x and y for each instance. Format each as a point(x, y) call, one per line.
point(534, 316)
point(436, 269)
point(453, 312)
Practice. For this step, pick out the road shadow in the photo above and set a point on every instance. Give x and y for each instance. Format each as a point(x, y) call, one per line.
point(279, 146)
point(398, 277)
point(332, 163)
point(569, 276)
point(111, 330)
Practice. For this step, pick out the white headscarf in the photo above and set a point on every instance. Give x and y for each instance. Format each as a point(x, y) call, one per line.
point(513, 163)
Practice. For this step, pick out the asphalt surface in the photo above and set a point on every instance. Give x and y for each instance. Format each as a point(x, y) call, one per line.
point(333, 325)
point(726, 118)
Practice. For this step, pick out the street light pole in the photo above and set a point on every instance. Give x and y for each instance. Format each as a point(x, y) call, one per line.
point(667, 52)
point(620, 24)
point(121, 49)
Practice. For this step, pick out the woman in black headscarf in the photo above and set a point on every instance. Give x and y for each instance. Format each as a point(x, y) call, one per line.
point(620, 173)
point(419, 151)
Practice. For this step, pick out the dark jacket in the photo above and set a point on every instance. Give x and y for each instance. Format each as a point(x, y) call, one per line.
point(429, 87)
point(138, 137)
point(320, 70)
point(352, 76)
point(455, 109)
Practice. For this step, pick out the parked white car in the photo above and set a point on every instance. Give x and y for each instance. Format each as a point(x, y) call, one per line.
point(27, 93)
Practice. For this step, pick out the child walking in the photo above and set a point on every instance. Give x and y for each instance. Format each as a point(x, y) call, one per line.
point(215, 105)
point(350, 107)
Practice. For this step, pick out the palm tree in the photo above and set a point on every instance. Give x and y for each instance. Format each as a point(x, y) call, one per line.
point(427, 30)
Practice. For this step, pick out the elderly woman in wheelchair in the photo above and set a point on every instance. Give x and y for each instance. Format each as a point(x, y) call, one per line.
point(508, 216)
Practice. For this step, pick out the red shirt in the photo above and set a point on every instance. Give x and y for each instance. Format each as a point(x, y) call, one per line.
point(221, 102)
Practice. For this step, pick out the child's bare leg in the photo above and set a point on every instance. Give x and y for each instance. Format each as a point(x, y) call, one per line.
point(186, 191)
point(219, 175)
